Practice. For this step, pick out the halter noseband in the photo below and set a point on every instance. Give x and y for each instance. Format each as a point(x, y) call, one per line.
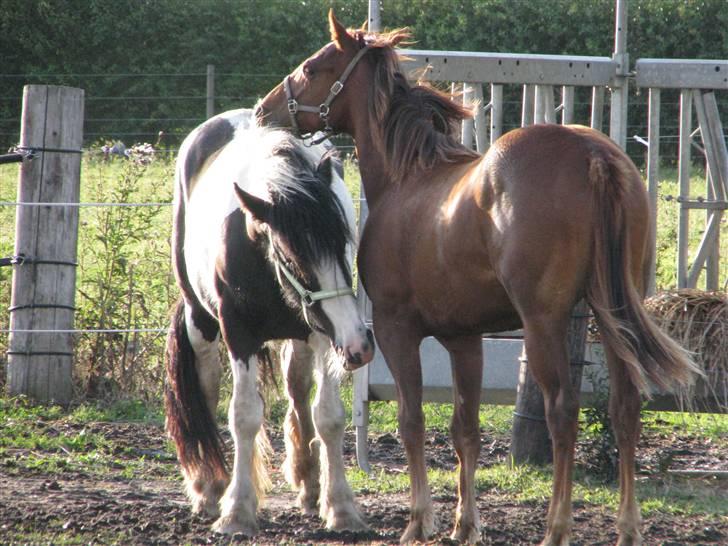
point(322, 109)
point(308, 298)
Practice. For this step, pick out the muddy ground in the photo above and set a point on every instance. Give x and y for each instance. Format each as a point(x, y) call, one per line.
point(147, 506)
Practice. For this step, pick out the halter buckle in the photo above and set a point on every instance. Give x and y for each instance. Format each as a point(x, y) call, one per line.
point(292, 106)
point(336, 87)
point(324, 110)
point(307, 299)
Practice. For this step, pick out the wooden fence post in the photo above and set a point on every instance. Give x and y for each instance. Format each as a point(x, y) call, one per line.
point(40, 362)
point(210, 91)
point(530, 440)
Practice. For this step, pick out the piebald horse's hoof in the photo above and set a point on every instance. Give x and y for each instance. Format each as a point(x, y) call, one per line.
point(232, 525)
point(345, 520)
point(466, 535)
point(418, 531)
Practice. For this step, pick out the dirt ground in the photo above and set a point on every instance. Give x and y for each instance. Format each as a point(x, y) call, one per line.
point(148, 506)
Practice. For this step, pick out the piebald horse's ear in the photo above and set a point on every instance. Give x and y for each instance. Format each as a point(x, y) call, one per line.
point(323, 169)
point(339, 35)
point(255, 208)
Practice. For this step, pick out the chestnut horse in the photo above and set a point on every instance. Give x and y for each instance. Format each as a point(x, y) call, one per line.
point(457, 244)
point(261, 251)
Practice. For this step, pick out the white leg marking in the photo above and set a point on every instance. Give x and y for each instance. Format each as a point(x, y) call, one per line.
point(204, 491)
point(337, 507)
point(240, 502)
point(207, 361)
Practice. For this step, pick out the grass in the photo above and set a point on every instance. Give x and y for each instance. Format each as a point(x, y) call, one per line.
point(527, 484)
point(54, 440)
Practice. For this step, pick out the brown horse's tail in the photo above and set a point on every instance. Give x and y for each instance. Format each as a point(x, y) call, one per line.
point(624, 325)
point(189, 421)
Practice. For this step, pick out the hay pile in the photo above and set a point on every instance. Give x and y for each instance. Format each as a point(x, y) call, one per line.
point(698, 320)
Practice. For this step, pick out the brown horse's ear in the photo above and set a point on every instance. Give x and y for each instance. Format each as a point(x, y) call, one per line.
point(339, 35)
point(255, 207)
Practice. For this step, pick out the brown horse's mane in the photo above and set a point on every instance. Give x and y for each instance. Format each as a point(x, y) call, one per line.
point(415, 125)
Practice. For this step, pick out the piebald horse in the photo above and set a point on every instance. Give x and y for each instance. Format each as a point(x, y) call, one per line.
point(457, 244)
point(262, 250)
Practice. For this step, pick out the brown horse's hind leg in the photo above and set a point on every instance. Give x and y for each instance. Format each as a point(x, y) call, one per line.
point(466, 355)
point(301, 466)
point(547, 354)
point(624, 411)
point(400, 348)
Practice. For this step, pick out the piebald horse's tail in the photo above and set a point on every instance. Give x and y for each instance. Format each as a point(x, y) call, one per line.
point(190, 422)
point(615, 295)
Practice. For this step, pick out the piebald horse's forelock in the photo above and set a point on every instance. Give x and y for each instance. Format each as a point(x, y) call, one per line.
point(415, 125)
point(304, 204)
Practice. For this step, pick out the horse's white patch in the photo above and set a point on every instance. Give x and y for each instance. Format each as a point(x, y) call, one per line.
point(249, 161)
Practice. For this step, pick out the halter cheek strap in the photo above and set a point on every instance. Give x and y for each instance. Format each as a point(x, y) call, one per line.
point(308, 298)
point(324, 108)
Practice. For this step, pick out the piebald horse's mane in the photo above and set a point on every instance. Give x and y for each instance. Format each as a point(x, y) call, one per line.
point(306, 208)
point(415, 125)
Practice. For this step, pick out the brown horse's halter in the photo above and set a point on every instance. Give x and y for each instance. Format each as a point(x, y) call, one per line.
point(322, 109)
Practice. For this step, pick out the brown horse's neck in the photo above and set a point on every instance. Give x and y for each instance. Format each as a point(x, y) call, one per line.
point(372, 165)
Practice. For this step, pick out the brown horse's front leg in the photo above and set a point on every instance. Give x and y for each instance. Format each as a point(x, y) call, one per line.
point(466, 357)
point(400, 347)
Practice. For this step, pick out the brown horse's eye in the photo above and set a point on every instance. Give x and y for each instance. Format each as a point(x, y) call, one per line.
point(307, 70)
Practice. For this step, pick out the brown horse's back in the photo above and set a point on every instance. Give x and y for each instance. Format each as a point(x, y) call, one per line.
point(539, 192)
point(572, 220)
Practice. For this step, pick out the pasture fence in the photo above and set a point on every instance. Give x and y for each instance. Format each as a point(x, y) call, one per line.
point(44, 280)
point(521, 90)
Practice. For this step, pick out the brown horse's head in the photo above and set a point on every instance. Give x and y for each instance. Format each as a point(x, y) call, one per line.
point(355, 85)
point(314, 95)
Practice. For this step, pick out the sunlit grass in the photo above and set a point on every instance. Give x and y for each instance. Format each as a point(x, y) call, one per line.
point(53, 440)
point(529, 484)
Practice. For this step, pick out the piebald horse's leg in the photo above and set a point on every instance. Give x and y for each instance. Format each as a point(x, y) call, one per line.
point(624, 411)
point(301, 467)
point(239, 504)
point(546, 350)
point(204, 334)
point(337, 507)
point(466, 356)
point(400, 348)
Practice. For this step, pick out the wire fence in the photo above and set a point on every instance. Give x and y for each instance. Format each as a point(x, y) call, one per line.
point(162, 108)
point(132, 348)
